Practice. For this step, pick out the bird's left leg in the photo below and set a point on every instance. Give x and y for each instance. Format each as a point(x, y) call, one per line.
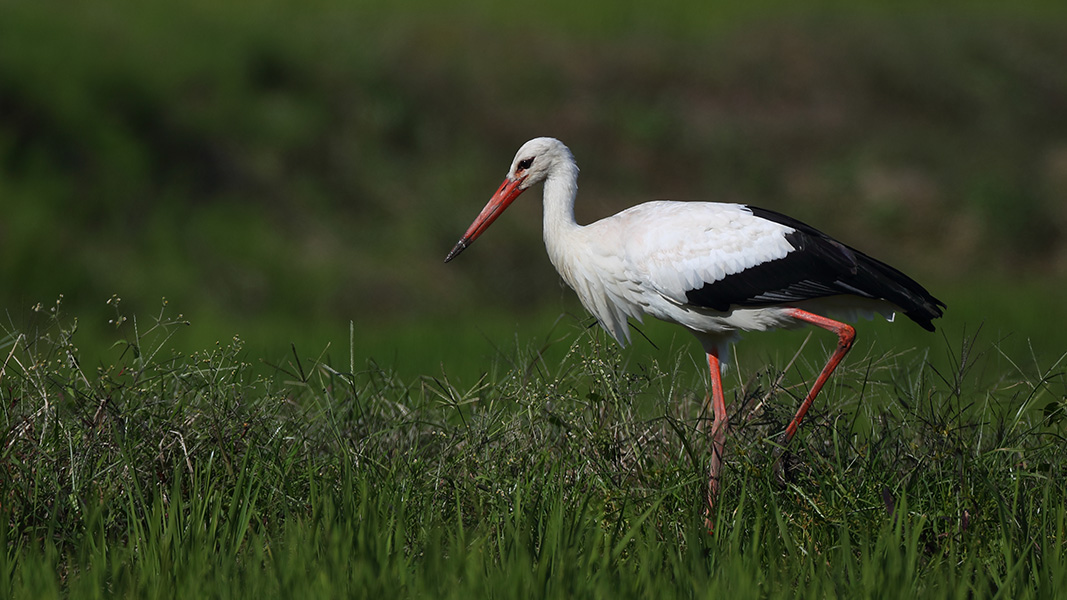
point(846, 335)
point(718, 437)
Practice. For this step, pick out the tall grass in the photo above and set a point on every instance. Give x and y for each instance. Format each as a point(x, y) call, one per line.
point(163, 475)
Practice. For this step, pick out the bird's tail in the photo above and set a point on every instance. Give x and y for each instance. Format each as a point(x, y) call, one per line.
point(885, 282)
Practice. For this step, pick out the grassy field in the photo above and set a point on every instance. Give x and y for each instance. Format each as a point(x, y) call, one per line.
point(233, 364)
point(167, 475)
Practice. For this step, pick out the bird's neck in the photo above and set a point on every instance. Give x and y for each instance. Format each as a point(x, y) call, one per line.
point(560, 189)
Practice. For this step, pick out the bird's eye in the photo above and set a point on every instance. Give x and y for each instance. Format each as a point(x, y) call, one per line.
point(525, 163)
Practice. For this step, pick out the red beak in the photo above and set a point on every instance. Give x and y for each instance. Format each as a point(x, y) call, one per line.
point(504, 196)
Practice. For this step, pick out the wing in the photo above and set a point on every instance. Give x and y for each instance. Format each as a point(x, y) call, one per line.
point(726, 256)
point(674, 248)
point(816, 266)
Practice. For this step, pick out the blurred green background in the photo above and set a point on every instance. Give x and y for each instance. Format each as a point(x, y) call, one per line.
point(280, 170)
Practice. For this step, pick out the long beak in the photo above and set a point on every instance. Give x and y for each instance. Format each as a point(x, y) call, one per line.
point(504, 196)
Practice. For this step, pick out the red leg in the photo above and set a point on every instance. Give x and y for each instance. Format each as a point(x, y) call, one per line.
point(718, 437)
point(846, 334)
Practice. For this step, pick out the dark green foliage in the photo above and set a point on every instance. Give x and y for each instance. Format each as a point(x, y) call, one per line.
point(280, 169)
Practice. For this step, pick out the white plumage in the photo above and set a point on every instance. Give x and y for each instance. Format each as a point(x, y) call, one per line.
point(650, 255)
point(715, 269)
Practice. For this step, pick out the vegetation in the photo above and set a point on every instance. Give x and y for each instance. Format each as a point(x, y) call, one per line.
point(166, 475)
point(336, 413)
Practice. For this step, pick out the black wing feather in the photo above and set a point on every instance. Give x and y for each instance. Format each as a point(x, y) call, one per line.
point(819, 266)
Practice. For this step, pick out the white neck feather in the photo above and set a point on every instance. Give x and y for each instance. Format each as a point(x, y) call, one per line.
point(561, 187)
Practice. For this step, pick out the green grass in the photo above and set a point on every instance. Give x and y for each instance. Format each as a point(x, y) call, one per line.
point(169, 475)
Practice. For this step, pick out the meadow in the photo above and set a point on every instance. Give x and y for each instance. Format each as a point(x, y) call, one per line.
point(168, 476)
point(232, 362)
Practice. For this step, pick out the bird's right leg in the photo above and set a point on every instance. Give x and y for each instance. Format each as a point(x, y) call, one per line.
point(718, 437)
point(846, 336)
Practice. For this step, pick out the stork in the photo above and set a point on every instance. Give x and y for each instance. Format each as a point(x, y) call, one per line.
point(716, 269)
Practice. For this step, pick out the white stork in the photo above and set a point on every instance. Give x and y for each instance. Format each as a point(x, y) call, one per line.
point(715, 269)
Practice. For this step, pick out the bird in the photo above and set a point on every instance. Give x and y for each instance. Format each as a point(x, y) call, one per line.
point(716, 269)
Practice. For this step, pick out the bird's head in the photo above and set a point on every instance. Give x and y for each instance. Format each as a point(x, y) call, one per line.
point(535, 161)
